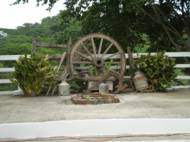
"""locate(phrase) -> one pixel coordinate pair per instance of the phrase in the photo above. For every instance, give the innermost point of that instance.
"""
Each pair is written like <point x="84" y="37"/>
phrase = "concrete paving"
<point x="140" y="138"/>
<point x="113" y="140"/>
<point x="95" y="128"/>
<point x="174" y="104"/>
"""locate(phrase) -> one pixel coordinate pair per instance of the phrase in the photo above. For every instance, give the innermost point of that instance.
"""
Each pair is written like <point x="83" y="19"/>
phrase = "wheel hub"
<point x="99" y="63"/>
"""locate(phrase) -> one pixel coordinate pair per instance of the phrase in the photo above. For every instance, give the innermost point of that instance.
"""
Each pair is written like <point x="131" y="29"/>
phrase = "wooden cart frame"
<point x="94" y="57"/>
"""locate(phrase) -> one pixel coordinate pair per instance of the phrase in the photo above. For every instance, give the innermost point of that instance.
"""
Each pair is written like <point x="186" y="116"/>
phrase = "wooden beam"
<point x="50" y="45"/>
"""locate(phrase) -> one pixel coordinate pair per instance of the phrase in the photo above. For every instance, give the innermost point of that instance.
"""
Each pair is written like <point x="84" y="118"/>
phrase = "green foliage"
<point x="56" y="29"/>
<point x="33" y="74"/>
<point x="143" y="45"/>
<point x="50" y="3"/>
<point x="181" y="72"/>
<point x="159" y="70"/>
<point x="16" y="44"/>
<point x="110" y="17"/>
<point x="8" y="87"/>
<point x="108" y="65"/>
<point x="93" y="70"/>
<point x="69" y="27"/>
<point x="77" y="86"/>
<point x="4" y="75"/>
<point x="166" y="22"/>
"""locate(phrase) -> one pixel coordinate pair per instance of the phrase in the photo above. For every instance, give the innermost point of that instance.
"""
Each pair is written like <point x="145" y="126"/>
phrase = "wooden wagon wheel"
<point x="94" y="55"/>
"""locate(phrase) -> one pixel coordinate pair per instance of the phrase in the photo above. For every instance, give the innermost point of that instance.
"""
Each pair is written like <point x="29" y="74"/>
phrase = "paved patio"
<point x="110" y="128"/>
<point x="161" y="138"/>
<point x="174" y="104"/>
<point x="174" y="138"/>
<point x="115" y="139"/>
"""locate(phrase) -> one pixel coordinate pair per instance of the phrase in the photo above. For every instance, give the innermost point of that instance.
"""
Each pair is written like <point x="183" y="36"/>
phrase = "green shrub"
<point x="8" y="87"/>
<point x="93" y="70"/>
<point x="159" y="70"/>
<point x="33" y="74"/>
<point x="77" y="86"/>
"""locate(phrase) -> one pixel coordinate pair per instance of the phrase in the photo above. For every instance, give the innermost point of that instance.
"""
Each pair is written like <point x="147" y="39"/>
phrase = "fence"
<point x="176" y="55"/>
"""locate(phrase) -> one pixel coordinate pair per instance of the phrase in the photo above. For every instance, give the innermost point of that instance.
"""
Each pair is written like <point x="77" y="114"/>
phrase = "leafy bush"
<point x="77" y="86"/>
<point x="159" y="70"/>
<point x="93" y="70"/>
<point x="33" y="74"/>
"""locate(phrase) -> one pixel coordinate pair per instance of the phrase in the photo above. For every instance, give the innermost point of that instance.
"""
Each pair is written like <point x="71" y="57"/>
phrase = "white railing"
<point x="12" y="58"/>
<point x="170" y="54"/>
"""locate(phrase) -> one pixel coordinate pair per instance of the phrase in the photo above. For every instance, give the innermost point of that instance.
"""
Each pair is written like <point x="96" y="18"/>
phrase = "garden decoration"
<point x="94" y="98"/>
<point x="103" y="88"/>
<point x="140" y="81"/>
<point x="64" y="88"/>
<point x="94" y="58"/>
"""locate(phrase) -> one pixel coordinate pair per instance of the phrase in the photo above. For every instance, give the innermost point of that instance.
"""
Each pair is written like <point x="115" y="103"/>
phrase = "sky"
<point x="16" y="15"/>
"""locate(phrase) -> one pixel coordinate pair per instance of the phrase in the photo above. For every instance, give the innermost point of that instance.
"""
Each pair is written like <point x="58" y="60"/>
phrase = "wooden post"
<point x="131" y="61"/>
<point x="34" y="43"/>
<point x="67" y="72"/>
<point x="132" y="66"/>
<point x="69" y="44"/>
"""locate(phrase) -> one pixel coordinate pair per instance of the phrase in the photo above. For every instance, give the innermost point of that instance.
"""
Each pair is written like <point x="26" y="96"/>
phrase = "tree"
<point x="173" y="18"/>
<point x="114" y="18"/>
<point x="50" y="3"/>
<point x="165" y="22"/>
<point x="68" y="27"/>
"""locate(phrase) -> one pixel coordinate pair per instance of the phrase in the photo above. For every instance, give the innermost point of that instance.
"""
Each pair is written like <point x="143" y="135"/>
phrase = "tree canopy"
<point x="164" y="24"/>
<point x="54" y="29"/>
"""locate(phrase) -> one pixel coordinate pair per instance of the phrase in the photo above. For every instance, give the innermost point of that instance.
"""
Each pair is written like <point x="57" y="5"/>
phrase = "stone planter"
<point x="94" y="98"/>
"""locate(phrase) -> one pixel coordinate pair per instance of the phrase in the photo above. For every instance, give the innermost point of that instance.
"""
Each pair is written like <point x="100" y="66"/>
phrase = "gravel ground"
<point x="173" y="104"/>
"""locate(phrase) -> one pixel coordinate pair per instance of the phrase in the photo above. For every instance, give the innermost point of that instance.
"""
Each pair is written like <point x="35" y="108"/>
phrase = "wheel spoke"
<point x="86" y="49"/>
<point x="102" y="53"/>
<point x="100" y="46"/>
<point x="81" y="62"/>
<point x="83" y="55"/>
<point x="116" y="74"/>
<point x="114" y="66"/>
<point x="111" y="55"/>
<point x="107" y="49"/>
<point x="116" y="63"/>
<point x="93" y="46"/>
